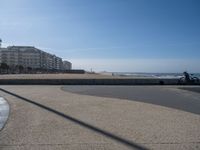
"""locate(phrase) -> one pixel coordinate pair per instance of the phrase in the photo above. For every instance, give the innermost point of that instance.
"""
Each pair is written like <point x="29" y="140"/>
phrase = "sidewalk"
<point x="4" y="112"/>
<point x="90" y="122"/>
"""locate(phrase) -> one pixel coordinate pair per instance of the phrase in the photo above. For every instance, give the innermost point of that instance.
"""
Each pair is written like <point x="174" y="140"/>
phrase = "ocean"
<point x="153" y="75"/>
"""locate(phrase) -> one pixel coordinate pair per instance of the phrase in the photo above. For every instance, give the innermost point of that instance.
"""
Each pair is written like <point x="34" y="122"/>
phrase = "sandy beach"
<point x="82" y="79"/>
<point x="54" y="76"/>
<point x="64" y="76"/>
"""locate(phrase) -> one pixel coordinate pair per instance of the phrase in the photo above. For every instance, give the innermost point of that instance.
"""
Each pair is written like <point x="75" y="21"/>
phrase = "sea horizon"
<point x="154" y="75"/>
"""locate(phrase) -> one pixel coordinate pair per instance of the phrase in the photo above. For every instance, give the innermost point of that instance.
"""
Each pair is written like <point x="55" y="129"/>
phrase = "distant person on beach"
<point x="188" y="79"/>
<point x="187" y="76"/>
<point x="185" y="79"/>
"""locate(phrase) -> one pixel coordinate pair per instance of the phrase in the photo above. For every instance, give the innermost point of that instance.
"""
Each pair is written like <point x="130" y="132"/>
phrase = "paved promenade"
<point x="4" y="112"/>
<point x="171" y="97"/>
<point x="48" y="118"/>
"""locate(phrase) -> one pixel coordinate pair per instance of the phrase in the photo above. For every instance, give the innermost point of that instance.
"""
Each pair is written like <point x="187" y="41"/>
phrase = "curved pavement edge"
<point x="4" y="112"/>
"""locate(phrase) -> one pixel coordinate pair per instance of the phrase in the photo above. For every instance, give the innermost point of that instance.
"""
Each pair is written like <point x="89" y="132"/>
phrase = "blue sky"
<point x="111" y="35"/>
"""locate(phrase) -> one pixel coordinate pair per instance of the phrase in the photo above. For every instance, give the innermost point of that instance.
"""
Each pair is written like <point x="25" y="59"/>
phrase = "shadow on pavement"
<point x="81" y="123"/>
<point x="146" y="94"/>
<point x="192" y="89"/>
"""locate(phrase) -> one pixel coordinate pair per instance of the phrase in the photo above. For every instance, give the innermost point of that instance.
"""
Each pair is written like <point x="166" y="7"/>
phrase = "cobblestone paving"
<point x="152" y="126"/>
<point x="4" y="111"/>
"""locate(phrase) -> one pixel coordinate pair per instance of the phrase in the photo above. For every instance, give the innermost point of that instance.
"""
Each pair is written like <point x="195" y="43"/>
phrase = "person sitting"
<point x="187" y="76"/>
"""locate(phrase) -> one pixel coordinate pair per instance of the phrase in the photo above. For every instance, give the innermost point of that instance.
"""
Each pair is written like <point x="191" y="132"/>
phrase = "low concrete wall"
<point x="89" y="82"/>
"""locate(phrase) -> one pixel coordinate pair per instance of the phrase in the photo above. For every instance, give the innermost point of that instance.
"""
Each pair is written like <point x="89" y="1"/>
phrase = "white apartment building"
<point x="67" y="65"/>
<point x="29" y="56"/>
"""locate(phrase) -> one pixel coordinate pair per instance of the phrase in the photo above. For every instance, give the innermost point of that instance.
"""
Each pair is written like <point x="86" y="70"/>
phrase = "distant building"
<point x="28" y="56"/>
<point x="67" y="65"/>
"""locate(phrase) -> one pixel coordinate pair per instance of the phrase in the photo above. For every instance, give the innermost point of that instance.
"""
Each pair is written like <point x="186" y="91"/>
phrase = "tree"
<point x="21" y="68"/>
<point x="4" y="66"/>
<point x="29" y="69"/>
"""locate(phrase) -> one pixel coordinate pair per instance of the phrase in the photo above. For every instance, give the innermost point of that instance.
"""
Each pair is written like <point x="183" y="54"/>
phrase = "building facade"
<point x="31" y="57"/>
<point x="67" y="65"/>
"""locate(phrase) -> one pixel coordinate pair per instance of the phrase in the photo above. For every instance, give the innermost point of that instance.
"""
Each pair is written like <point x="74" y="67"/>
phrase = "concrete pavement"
<point x="168" y="96"/>
<point x="4" y="112"/>
<point x="45" y="117"/>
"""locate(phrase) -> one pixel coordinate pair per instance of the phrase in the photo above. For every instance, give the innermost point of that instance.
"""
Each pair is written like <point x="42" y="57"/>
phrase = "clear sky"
<point x="110" y="35"/>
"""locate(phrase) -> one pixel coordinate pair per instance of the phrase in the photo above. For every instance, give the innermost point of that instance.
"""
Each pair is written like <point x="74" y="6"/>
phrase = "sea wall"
<point x="120" y="81"/>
